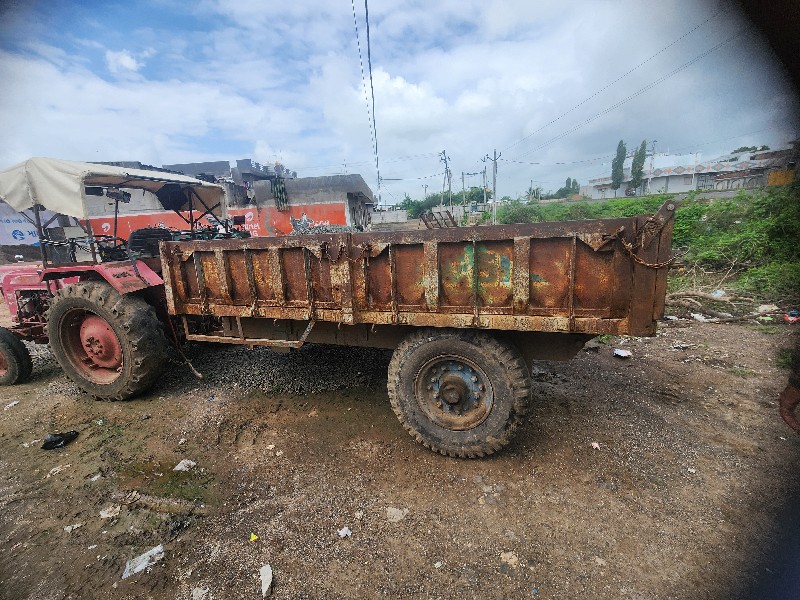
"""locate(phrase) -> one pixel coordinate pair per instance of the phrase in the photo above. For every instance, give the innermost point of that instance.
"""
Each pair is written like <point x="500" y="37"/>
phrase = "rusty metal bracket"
<point x="654" y="224"/>
<point x="254" y="341"/>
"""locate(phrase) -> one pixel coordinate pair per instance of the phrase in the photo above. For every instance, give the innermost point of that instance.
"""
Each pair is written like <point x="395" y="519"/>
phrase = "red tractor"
<point x="98" y="300"/>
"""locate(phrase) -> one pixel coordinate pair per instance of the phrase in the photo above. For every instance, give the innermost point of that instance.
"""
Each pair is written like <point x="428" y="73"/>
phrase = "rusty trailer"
<point x="466" y="309"/>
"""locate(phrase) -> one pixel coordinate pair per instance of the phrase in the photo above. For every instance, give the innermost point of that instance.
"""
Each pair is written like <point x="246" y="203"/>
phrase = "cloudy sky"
<point x="552" y="86"/>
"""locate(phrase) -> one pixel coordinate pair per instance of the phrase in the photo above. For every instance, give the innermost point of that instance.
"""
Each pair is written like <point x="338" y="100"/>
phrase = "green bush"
<point x="753" y="236"/>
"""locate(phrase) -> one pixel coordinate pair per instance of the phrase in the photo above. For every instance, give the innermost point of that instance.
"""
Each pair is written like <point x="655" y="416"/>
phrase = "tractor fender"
<point x="124" y="276"/>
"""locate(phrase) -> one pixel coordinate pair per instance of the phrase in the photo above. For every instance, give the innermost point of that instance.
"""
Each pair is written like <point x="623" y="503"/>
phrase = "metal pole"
<point x="494" y="188"/>
<point x="650" y="175"/>
<point x="484" y="186"/>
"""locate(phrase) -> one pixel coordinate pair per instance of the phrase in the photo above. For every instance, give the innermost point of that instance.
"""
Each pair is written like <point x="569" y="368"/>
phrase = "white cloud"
<point x="467" y="76"/>
<point x="122" y="62"/>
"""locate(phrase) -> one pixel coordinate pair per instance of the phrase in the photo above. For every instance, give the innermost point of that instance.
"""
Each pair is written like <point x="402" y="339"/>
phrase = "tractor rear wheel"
<point x="15" y="360"/>
<point x="112" y="345"/>
<point x="458" y="392"/>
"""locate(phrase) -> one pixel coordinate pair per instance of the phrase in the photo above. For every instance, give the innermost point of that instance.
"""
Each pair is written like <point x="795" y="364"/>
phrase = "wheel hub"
<point x="454" y="393"/>
<point x="100" y="342"/>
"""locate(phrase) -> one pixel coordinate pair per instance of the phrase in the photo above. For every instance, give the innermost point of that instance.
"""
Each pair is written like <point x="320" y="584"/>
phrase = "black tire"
<point x="15" y="360"/>
<point x="458" y="392"/>
<point x="131" y="330"/>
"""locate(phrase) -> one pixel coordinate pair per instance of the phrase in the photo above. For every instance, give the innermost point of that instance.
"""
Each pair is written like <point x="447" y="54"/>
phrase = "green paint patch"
<point x="159" y="479"/>
<point x="537" y="278"/>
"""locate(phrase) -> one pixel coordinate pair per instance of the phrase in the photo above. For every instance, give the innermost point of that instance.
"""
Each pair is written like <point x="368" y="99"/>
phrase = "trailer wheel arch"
<point x="15" y="360"/>
<point x="127" y="339"/>
<point x="461" y="393"/>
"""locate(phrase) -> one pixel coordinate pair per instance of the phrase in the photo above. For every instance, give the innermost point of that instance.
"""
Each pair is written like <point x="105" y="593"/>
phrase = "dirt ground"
<point x="665" y="475"/>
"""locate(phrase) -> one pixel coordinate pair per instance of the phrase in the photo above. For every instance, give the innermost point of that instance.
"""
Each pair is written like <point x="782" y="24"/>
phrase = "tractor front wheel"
<point x="112" y="345"/>
<point x="15" y="360"/>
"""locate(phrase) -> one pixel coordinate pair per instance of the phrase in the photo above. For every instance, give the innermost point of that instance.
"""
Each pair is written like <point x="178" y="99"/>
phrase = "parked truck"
<point x="466" y="310"/>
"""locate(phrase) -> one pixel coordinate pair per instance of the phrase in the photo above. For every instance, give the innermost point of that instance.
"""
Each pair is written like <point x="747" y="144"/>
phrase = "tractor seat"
<point x="144" y="242"/>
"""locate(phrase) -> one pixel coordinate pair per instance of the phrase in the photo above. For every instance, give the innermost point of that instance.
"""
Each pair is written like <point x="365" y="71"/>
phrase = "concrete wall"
<point x="389" y="216"/>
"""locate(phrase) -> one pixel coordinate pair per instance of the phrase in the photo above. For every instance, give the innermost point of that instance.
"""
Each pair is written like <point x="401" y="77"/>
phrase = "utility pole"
<point x="494" y="184"/>
<point x="425" y="188"/>
<point x="694" y="171"/>
<point x="530" y="192"/>
<point x="484" y="186"/>
<point x="447" y="177"/>
<point x="652" y="156"/>
<point x="463" y="190"/>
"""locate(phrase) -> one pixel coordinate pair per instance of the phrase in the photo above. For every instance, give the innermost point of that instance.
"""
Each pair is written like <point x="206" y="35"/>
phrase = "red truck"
<point x="465" y="309"/>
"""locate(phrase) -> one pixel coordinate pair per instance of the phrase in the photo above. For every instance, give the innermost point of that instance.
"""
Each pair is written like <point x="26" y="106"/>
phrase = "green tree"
<point x="637" y="166"/>
<point x="576" y="187"/>
<point x="616" y="167"/>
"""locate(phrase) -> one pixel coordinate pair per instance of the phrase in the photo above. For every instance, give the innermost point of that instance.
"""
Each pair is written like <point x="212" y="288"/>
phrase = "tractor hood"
<point x="60" y="185"/>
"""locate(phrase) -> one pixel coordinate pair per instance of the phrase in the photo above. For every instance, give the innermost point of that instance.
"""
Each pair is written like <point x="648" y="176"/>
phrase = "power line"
<point x="370" y="116"/>
<point x="372" y="91"/>
<point x="367" y="162"/>
<point x="639" y="92"/>
<point x="617" y="80"/>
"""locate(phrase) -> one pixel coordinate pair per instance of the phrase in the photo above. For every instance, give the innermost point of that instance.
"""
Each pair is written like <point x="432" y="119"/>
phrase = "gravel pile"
<point x="306" y="226"/>
<point x="310" y="369"/>
<point x="312" y="229"/>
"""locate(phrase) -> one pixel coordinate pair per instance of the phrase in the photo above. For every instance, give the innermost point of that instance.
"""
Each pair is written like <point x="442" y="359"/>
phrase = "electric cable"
<point x="639" y="92"/>
<point x="617" y="80"/>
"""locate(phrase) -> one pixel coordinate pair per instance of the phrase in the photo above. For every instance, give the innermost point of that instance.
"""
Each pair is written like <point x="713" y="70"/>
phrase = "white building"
<point x="743" y="170"/>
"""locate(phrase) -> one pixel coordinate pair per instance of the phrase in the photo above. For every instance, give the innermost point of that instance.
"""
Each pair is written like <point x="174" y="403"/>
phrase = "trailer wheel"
<point x="15" y="360"/>
<point x="111" y="345"/>
<point x="459" y="393"/>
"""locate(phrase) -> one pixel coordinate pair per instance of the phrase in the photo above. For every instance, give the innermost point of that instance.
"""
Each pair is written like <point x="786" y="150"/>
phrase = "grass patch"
<point x="768" y="329"/>
<point x="784" y="358"/>
<point x="741" y="372"/>
<point x="158" y="479"/>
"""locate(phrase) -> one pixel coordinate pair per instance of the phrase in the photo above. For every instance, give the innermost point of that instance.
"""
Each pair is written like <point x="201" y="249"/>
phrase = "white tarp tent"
<point x="60" y="185"/>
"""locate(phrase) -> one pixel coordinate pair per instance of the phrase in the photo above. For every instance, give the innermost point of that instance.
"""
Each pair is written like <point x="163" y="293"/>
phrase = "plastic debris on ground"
<point x="438" y="564"/>
<point x="718" y="293"/>
<point x="620" y="353"/>
<point x="71" y="528"/>
<point x="184" y="465"/>
<point x="199" y="593"/>
<point x="671" y="318"/>
<point x="395" y="515"/>
<point x="767" y="308"/>
<point x="510" y="558"/>
<point x="141" y="562"/>
<point x="595" y="445"/>
<point x="253" y="537"/>
<point x="792" y="317"/>
<point x="110" y="512"/>
<point x="11" y="404"/>
<point x="266" y="580"/>
<point x="57" y="470"/>
<point x="58" y="440"/>
<point x="344" y="532"/>
<point x="699" y="317"/>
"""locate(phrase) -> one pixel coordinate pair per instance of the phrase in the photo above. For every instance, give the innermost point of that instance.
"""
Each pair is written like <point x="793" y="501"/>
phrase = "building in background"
<point x="747" y="170"/>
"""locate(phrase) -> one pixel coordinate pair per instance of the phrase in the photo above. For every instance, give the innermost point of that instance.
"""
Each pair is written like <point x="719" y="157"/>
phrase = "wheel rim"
<point x="454" y="392"/>
<point x="92" y="346"/>
<point x="3" y="364"/>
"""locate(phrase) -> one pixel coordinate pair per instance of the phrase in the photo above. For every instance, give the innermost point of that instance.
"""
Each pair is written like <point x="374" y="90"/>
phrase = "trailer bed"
<point x="593" y="277"/>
